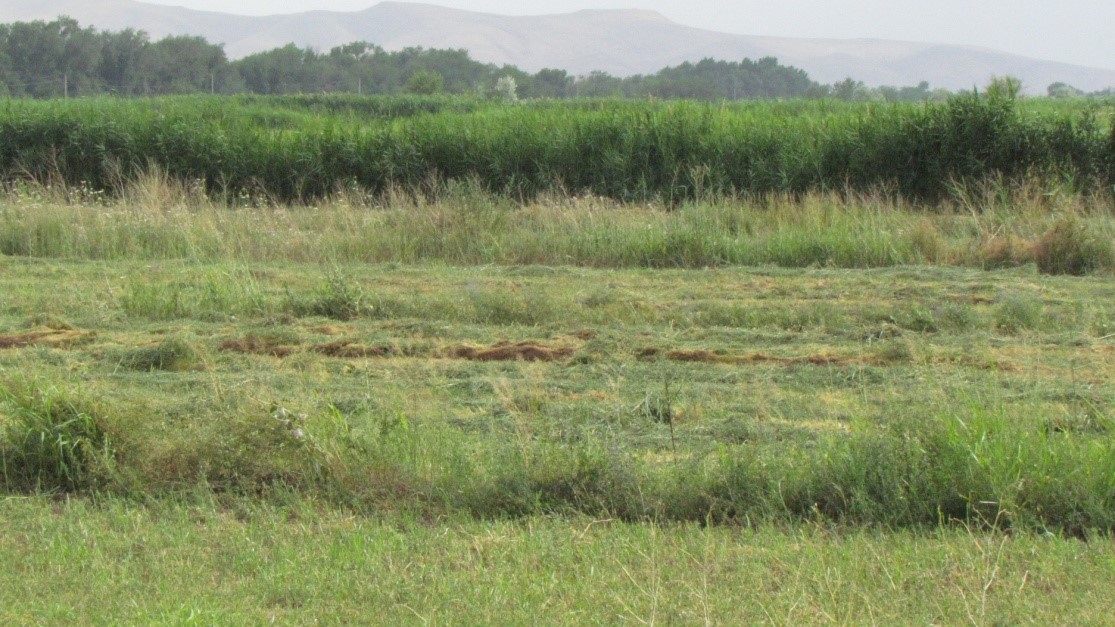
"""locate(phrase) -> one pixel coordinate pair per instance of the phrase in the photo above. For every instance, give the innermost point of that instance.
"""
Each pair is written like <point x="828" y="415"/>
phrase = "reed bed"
<point x="305" y="149"/>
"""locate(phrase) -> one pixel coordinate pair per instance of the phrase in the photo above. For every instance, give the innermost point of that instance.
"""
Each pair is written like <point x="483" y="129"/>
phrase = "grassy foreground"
<point x="118" y="563"/>
<point x="255" y="413"/>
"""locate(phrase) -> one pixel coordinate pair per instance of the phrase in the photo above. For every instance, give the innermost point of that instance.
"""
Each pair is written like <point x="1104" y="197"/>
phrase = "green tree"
<point x="183" y="64"/>
<point x="551" y="83"/>
<point x="286" y="70"/>
<point x="123" y="62"/>
<point x="1062" y="90"/>
<point x="425" y="82"/>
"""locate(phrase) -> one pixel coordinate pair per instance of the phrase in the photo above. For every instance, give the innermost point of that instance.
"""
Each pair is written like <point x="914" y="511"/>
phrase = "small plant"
<point x="1004" y="252"/>
<point x="928" y="243"/>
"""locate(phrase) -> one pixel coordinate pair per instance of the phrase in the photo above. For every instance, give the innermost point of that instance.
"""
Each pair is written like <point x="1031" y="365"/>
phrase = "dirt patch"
<point x="346" y="349"/>
<point x="253" y="345"/>
<point x="46" y="337"/>
<point x="506" y="351"/>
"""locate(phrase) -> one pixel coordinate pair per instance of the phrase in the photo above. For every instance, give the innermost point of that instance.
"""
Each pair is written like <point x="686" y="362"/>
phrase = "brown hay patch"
<point x="252" y="345"/>
<point x="57" y="338"/>
<point x="814" y="360"/>
<point x="346" y="349"/>
<point x="505" y="351"/>
<point x="701" y="356"/>
<point x="709" y="357"/>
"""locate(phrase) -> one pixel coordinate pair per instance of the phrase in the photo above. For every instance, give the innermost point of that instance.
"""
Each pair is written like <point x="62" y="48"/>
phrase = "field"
<point x="447" y="402"/>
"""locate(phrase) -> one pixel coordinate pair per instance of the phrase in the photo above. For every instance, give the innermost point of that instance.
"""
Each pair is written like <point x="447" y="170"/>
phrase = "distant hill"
<point x="621" y="43"/>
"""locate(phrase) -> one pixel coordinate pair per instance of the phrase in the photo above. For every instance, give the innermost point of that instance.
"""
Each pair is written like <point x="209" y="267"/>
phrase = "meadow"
<point x="838" y="403"/>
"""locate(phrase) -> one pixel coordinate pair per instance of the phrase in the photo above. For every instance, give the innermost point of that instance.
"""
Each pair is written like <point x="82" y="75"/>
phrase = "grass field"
<point x="447" y="405"/>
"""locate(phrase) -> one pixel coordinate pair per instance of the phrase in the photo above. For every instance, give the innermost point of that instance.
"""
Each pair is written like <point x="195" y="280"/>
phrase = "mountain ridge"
<point x="620" y="42"/>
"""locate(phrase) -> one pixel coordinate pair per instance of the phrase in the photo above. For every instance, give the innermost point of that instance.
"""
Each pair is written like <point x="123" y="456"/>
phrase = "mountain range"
<point x="619" y="42"/>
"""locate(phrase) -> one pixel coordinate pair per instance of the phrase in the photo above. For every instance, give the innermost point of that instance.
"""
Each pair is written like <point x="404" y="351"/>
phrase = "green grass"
<point x="172" y="563"/>
<point x="304" y="149"/>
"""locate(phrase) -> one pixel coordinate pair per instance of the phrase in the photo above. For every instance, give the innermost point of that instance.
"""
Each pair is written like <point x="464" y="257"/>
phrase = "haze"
<point x="1072" y="31"/>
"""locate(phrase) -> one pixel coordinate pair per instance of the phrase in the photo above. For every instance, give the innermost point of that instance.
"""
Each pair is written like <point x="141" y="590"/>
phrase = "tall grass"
<point x="305" y="149"/>
<point x="156" y="217"/>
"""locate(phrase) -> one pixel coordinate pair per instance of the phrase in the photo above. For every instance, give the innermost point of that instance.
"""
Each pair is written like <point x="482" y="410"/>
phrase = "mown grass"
<point x="899" y="397"/>
<point x="837" y="408"/>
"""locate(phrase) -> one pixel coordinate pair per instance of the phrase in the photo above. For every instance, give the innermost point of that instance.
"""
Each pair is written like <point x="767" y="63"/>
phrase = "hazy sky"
<point x="1074" y="31"/>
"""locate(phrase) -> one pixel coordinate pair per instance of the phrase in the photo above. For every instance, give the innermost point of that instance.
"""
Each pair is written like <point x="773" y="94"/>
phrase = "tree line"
<point x="61" y="58"/>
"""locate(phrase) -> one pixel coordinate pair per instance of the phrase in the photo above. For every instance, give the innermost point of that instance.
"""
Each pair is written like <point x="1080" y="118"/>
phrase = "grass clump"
<point x="52" y="442"/>
<point x="174" y="354"/>
<point x="338" y="297"/>
<point x="1017" y="312"/>
<point x="1070" y="247"/>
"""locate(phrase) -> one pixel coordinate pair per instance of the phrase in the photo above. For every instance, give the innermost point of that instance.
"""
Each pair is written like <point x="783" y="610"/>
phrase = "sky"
<point x="1072" y="31"/>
